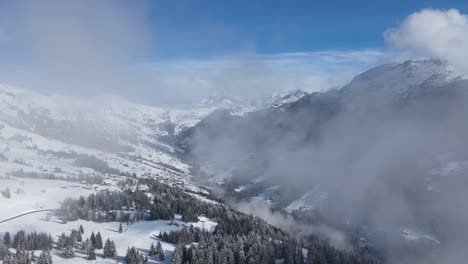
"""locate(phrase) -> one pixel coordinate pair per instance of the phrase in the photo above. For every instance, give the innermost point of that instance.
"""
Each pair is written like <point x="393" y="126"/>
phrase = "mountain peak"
<point x="398" y="80"/>
<point x="285" y="97"/>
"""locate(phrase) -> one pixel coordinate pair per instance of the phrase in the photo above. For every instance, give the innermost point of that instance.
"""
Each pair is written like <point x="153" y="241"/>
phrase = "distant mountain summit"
<point x="394" y="82"/>
<point x="285" y="97"/>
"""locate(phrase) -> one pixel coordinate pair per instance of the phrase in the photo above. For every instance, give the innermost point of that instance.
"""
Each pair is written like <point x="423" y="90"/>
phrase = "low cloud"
<point x="89" y="48"/>
<point x="253" y="76"/>
<point x="442" y="34"/>
<point x="258" y="207"/>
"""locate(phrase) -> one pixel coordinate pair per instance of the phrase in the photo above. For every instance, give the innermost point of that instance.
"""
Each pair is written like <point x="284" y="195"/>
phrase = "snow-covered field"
<point x="31" y="195"/>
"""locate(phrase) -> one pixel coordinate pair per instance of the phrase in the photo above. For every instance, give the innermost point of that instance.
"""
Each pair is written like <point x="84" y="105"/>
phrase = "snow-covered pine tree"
<point x="152" y="250"/>
<point x="109" y="249"/>
<point x="160" y="251"/>
<point x="68" y="252"/>
<point x="44" y="258"/>
<point x="98" y="244"/>
<point x="134" y="257"/>
<point x="3" y="251"/>
<point x="90" y="251"/>
<point x="178" y="255"/>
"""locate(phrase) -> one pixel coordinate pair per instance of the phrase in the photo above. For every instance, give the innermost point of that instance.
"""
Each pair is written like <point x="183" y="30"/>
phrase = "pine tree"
<point x="90" y="251"/>
<point x="178" y="254"/>
<point x="3" y="251"/>
<point x="134" y="257"/>
<point x="78" y="236"/>
<point x="85" y="244"/>
<point x="160" y="251"/>
<point x="61" y="242"/>
<point x="7" y="240"/>
<point x="93" y="239"/>
<point x="152" y="250"/>
<point x="98" y="244"/>
<point x="242" y="258"/>
<point x="109" y="249"/>
<point x="68" y="252"/>
<point x="44" y="258"/>
<point x="120" y="228"/>
<point x="81" y="229"/>
<point x="209" y="256"/>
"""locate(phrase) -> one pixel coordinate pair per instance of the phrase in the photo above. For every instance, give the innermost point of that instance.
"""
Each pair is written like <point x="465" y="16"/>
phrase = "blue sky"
<point x="211" y="28"/>
<point x="181" y="51"/>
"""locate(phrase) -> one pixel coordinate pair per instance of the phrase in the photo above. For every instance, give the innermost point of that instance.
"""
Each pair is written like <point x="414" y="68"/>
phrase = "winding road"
<point x="27" y="213"/>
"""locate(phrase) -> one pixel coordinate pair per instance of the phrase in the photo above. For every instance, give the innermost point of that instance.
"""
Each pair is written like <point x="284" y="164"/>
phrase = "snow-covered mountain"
<point x="46" y="134"/>
<point x="130" y="137"/>
<point x="337" y="157"/>
<point x="294" y="154"/>
<point x="56" y="151"/>
<point x="394" y="82"/>
<point x="286" y="97"/>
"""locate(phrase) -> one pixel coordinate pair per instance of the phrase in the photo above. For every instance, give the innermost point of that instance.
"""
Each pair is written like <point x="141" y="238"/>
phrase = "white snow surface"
<point x="29" y="195"/>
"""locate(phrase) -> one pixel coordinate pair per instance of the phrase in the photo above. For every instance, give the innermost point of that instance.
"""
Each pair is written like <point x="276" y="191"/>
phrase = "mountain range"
<point x="380" y="160"/>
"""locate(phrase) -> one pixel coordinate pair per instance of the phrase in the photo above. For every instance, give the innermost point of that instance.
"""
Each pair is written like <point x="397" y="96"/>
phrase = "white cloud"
<point x="258" y="75"/>
<point x="92" y="47"/>
<point x="441" y="34"/>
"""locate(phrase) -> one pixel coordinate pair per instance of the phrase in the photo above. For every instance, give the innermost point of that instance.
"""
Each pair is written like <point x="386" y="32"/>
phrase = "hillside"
<point x="371" y="157"/>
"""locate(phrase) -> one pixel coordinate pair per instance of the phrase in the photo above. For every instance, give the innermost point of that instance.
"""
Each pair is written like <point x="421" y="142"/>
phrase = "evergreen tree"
<point x="44" y="258"/>
<point x="85" y="244"/>
<point x="21" y="257"/>
<point x="98" y="244"/>
<point x="78" y="236"/>
<point x="120" y="228"/>
<point x="90" y="251"/>
<point x="3" y="251"/>
<point x="7" y="239"/>
<point x="159" y="251"/>
<point x="81" y="229"/>
<point x="178" y="255"/>
<point x="68" y="252"/>
<point x="109" y="249"/>
<point x="134" y="257"/>
<point x="152" y="250"/>
<point x="242" y="258"/>
<point x="93" y="239"/>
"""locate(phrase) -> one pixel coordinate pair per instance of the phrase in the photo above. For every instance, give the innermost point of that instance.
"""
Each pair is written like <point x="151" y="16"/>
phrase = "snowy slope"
<point x="39" y="128"/>
<point x="393" y="82"/>
<point x="29" y="195"/>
